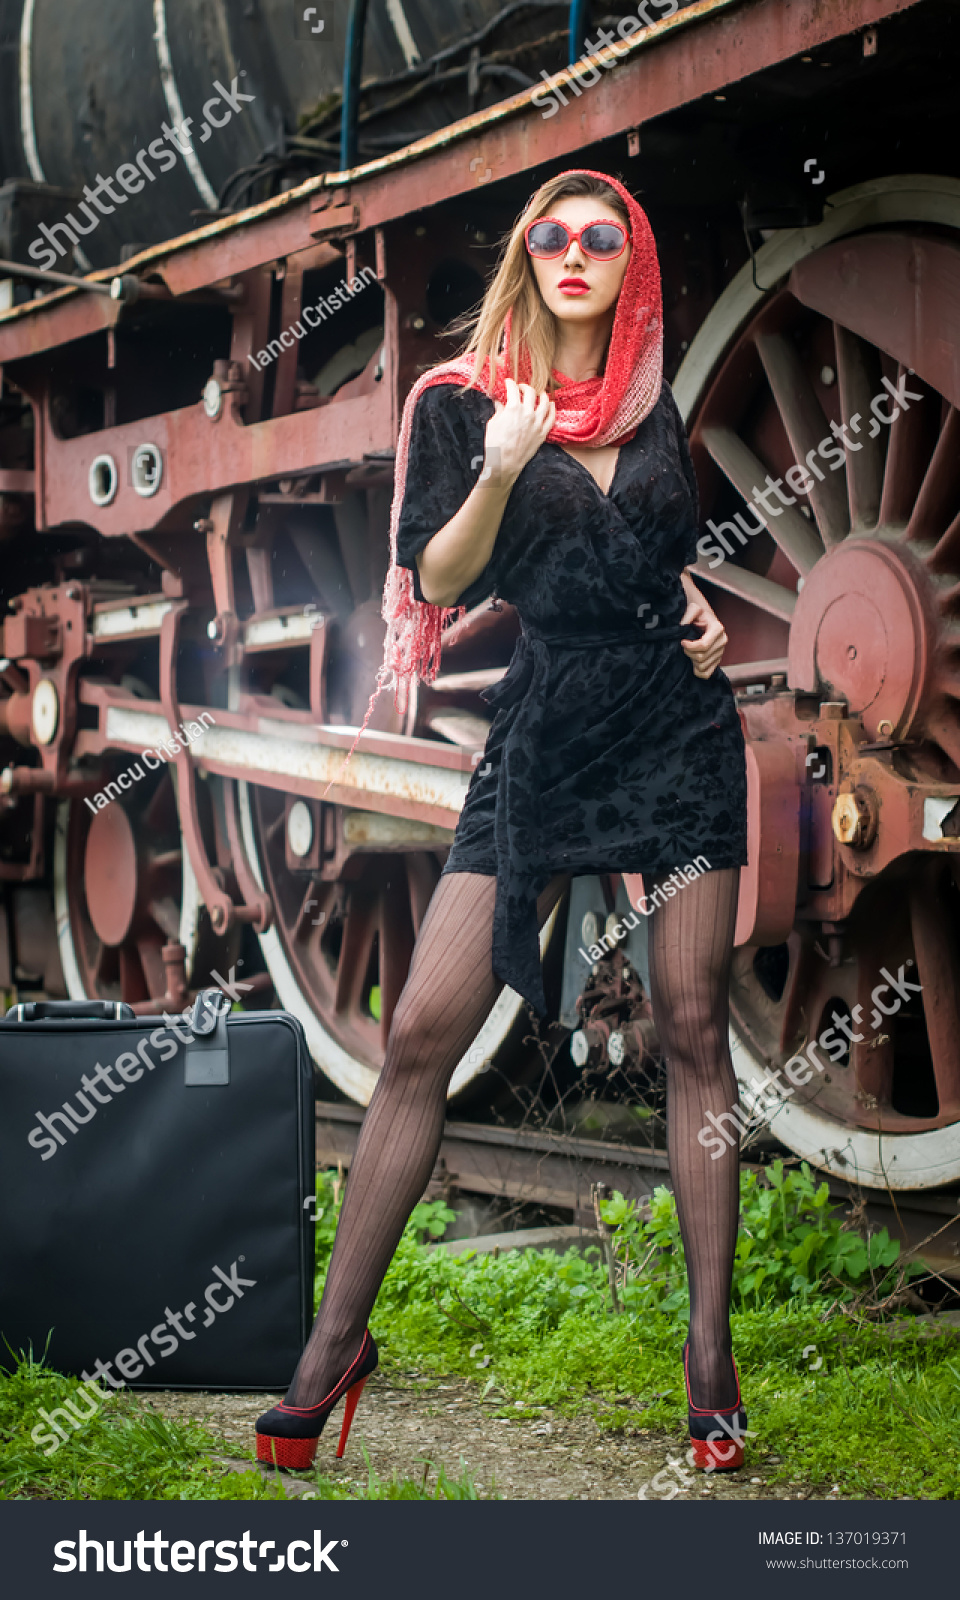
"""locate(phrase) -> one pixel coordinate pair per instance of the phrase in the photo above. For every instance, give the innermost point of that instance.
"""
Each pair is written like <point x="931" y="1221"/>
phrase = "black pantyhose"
<point x="691" y="949"/>
<point x="448" y="995"/>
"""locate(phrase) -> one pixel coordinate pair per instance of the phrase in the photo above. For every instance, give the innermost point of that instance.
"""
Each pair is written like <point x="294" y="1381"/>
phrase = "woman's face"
<point x="574" y="286"/>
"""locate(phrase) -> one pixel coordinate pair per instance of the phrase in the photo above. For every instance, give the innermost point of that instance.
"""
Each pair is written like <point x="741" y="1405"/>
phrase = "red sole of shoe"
<point x="297" y="1454"/>
<point x="721" y="1455"/>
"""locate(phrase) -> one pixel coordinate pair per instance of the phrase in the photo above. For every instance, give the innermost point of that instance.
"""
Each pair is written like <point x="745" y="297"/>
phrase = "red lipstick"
<point x="573" y="286"/>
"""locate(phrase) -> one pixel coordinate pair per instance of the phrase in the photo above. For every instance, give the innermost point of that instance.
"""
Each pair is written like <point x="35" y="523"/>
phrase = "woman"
<point x="615" y="747"/>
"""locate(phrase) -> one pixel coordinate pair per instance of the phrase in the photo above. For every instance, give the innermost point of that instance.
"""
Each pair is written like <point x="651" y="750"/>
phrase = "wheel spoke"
<point x="151" y="962"/>
<point x="802" y="976"/>
<point x="872" y="1057"/>
<point x="806" y="426"/>
<point x="423" y="875"/>
<point x="858" y="376"/>
<point x="946" y="552"/>
<point x="359" y="931"/>
<point x="796" y="537"/>
<point x="908" y="456"/>
<point x="312" y="908"/>
<point x="945" y="732"/>
<point x="396" y="942"/>
<point x="769" y="596"/>
<point x="159" y="815"/>
<point x="939" y="494"/>
<point x="938" y="962"/>
<point x="166" y="914"/>
<point x="107" y="968"/>
<point x="165" y="859"/>
<point x="133" y="986"/>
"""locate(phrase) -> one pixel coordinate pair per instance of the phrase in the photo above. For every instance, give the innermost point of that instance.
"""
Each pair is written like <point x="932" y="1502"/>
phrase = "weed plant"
<point x="845" y="1394"/>
<point x="851" y="1402"/>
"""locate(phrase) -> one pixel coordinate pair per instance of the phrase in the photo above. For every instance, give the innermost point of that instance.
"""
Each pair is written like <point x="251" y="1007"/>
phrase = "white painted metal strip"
<point x="130" y="619"/>
<point x="282" y="754"/>
<point x="401" y="28"/>
<point x="172" y="96"/>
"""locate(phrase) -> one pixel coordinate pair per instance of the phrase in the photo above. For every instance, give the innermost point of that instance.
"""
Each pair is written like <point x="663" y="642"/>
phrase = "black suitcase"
<point x="155" y="1184"/>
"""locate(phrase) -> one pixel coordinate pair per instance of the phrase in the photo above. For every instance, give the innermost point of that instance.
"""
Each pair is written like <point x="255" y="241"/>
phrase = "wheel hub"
<point x="861" y="634"/>
<point x="110" y="874"/>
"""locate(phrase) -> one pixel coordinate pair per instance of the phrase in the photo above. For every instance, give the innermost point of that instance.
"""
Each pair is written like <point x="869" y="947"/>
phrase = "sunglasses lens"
<point x="547" y="239"/>
<point x="603" y="239"/>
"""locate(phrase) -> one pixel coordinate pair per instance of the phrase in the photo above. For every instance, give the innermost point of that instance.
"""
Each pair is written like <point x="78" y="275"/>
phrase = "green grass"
<point x="869" y="1405"/>
<point x="128" y="1452"/>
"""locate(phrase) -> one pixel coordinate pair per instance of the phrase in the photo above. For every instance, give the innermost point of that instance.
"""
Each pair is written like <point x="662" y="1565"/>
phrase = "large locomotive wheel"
<point x="340" y="947"/>
<point x="852" y="595"/>
<point x="123" y="888"/>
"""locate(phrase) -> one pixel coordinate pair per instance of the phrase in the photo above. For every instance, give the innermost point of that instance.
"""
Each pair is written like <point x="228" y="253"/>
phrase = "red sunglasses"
<point x="546" y="238"/>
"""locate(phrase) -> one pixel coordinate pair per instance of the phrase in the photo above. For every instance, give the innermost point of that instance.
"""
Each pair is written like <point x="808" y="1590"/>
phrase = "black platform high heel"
<point x="716" y="1436"/>
<point x="287" y="1435"/>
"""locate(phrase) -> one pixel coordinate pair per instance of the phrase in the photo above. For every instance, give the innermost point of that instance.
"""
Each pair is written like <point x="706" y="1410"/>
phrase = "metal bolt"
<point x="212" y="399"/>
<point x="885" y="728"/>
<point x="855" y="817"/>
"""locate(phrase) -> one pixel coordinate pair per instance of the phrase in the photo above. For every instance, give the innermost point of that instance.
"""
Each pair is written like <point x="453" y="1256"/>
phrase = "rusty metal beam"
<point x="697" y="52"/>
<point x="694" y="53"/>
<point x="262" y="743"/>
<point x="203" y="458"/>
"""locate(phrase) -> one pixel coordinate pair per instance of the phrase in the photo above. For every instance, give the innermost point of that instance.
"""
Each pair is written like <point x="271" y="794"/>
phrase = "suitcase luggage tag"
<point x="207" y="1062"/>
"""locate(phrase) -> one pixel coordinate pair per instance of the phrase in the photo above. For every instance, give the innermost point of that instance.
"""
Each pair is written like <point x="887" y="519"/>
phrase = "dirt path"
<point x="405" y="1421"/>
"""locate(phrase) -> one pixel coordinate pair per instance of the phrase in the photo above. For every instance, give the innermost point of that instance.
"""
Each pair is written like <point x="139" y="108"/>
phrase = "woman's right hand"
<point x="516" y="431"/>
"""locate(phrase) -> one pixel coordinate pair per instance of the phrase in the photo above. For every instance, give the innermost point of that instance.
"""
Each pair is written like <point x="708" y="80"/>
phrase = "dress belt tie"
<point x="517" y="832"/>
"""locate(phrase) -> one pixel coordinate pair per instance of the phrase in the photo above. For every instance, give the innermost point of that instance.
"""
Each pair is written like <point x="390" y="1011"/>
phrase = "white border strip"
<point x="175" y="107"/>
<point x="401" y="28"/>
<point x="28" y="133"/>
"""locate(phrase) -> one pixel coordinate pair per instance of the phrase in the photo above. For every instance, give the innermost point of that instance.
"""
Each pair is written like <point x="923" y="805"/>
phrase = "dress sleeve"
<point x="692" y="517"/>
<point x="445" y="460"/>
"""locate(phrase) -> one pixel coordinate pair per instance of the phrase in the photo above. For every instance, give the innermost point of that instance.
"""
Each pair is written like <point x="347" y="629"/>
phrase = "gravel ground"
<point x="518" y="1452"/>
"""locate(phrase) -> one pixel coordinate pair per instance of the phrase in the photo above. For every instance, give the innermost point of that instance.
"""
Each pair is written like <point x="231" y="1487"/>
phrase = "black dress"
<point x="607" y="753"/>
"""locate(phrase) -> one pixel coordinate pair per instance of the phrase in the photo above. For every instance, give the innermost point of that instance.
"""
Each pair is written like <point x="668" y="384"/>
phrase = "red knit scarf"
<point x="595" y="412"/>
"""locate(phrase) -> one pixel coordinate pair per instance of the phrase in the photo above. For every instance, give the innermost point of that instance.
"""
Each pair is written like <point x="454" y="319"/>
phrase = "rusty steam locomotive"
<point x="193" y="506"/>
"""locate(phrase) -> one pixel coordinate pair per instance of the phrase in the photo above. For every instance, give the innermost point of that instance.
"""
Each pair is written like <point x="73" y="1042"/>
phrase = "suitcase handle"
<point x="70" y="1010"/>
<point x="207" y="1060"/>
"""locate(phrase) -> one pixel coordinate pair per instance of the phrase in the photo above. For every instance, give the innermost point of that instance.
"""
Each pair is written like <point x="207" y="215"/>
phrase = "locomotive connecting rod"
<point x="16" y="269"/>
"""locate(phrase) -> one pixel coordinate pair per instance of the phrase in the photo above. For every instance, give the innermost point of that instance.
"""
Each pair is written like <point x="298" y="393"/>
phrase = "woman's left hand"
<point x="706" y="653"/>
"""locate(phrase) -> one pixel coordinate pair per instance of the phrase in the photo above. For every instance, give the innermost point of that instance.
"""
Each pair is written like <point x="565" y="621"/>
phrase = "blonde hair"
<point x="533" y="336"/>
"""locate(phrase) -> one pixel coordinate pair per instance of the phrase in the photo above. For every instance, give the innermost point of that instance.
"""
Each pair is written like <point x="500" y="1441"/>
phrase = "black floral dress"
<point x="607" y="753"/>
